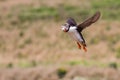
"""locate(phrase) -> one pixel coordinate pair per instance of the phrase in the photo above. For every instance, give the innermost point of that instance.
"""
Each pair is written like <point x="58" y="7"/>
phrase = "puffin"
<point x="75" y="30"/>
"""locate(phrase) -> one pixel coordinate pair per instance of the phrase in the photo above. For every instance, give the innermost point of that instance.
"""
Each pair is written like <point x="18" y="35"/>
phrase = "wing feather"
<point x="89" y="21"/>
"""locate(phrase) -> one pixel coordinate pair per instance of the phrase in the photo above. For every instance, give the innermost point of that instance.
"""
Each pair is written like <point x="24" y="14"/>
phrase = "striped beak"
<point x="65" y="27"/>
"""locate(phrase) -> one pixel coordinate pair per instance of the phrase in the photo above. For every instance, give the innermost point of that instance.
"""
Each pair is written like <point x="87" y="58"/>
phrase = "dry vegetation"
<point x="30" y="36"/>
<point x="60" y="73"/>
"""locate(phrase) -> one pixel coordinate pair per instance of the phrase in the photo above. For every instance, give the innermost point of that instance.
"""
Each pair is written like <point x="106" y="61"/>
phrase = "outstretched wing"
<point x="71" y="22"/>
<point x="89" y="21"/>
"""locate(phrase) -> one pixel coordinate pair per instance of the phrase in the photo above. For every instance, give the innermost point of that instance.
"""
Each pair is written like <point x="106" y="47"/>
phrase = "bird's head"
<point x="70" y="22"/>
<point x="65" y="27"/>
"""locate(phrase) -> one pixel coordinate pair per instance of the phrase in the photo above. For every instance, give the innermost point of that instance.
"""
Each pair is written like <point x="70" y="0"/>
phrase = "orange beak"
<point x="65" y="30"/>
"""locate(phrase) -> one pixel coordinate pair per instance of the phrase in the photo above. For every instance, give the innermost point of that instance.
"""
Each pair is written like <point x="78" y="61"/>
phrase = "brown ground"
<point x="50" y="73"/>
<point x="55" y="47"/>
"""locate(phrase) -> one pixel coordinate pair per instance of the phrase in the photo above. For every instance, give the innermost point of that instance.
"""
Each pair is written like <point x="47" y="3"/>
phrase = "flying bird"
<point x="75" y="30"/>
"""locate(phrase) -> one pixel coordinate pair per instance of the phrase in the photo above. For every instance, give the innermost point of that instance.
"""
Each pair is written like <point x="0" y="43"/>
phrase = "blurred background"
<point x="33" y="47"/>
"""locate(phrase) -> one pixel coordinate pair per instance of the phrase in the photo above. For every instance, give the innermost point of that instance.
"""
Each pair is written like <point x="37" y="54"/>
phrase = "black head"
<point x="70" y="22"/>
<point x="65" y="27"/>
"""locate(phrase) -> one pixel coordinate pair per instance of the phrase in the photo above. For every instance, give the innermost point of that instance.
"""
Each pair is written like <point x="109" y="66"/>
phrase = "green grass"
<point x="109" y="11"/>
<point x="93" y="63"/>
<point x="52" y="13"/>
<point x="86" y="63"/>
<point x="80" y="12"/>
<point x="61" y="71"/>
<point x="24" y="64"/>
<point x="106" y="4"/>
<point x="43" y="12"/>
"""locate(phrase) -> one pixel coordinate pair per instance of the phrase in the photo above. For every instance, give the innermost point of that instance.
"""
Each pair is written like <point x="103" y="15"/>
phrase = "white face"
<point x="65" y="27"/>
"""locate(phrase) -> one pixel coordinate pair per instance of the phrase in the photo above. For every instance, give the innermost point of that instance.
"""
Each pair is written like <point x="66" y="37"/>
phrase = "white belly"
<point x="74" y="34"/>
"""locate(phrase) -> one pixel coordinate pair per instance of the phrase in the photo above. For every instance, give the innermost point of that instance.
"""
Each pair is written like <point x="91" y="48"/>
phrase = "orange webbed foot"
<point x="79" y="46"/>
<point x="84" y="48"/>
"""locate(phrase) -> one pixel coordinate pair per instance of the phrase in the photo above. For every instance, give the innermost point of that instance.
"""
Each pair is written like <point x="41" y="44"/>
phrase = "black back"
<point x="71" y="22"/>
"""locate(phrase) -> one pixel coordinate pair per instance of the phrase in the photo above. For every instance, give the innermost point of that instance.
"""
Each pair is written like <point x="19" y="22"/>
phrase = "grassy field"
<point x="31" y="39"/>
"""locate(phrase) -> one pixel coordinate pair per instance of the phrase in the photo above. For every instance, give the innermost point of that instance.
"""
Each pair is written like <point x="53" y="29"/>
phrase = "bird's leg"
<point x="79" y="46"/>
<point x="84" y="48"/>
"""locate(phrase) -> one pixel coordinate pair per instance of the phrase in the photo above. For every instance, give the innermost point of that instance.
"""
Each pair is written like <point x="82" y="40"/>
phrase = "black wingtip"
<point x="96" y="16"/>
